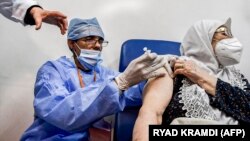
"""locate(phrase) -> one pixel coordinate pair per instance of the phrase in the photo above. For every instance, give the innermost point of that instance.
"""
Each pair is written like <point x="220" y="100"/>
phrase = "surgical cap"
<point x="79" y="28"/>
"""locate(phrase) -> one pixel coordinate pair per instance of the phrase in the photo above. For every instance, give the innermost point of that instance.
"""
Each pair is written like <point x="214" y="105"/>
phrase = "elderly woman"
<point x="207" y="87"/>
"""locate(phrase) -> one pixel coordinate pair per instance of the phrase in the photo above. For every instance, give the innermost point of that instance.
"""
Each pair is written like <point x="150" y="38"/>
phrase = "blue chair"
<point x="131" y="49"/>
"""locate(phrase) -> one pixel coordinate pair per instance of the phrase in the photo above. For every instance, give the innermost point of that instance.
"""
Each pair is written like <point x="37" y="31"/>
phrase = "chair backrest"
<point x="131" y="49"/>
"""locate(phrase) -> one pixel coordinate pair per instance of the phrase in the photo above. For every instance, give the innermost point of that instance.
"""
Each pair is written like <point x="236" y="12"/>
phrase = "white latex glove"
<point x="142" y="68"/>
<point x="169" y="60"/>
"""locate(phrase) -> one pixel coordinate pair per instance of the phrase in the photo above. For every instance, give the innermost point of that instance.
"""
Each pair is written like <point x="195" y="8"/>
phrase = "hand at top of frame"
<point x="51" y="17"/>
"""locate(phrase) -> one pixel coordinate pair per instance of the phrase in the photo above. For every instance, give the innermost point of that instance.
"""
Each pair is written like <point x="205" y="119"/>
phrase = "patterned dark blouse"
<point x="234" y="101"/>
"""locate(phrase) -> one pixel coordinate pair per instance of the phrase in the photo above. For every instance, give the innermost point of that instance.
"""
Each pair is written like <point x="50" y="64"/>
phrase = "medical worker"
<point x="74" y="94"/>
<point x="28" y="12"/>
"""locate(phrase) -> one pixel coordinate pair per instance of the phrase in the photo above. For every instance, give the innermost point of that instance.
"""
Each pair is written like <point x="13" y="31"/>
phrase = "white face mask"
<point x="89" y="58"/>
<point x="228" y="51"/>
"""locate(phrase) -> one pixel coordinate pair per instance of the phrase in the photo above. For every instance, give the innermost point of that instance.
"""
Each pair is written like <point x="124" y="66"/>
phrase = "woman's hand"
<point x="188" y="68"/>
<point x="196" y="74"/>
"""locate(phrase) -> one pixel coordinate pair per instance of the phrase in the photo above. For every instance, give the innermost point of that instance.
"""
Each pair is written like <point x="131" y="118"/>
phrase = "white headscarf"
<point x="197" y="43"/>
<point x="197" y="46"/>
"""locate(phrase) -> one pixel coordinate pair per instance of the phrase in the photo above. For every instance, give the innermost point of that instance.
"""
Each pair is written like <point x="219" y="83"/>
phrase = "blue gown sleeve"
<point x="233" y="100"/>
<point x="15" y="10"/>
<point x="77" y="110"/>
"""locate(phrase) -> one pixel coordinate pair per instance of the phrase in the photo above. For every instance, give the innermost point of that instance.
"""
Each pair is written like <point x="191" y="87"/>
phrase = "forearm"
<point x="208" y="83"/>
<point x="141" y="127"/>
<point x="157" y="95"/>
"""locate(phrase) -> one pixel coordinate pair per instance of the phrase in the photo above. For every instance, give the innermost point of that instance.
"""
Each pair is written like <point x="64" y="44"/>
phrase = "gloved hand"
<point x="169" y="60"/>
<point x="142" y="68"/>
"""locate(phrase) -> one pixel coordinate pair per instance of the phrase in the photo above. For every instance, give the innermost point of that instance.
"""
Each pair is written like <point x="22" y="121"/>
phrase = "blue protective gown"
<point x="65" y="111"/>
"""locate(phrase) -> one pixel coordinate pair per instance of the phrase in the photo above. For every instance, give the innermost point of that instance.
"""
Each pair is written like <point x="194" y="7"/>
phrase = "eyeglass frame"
<point x="223" y="29"/>
<point x="93" y="41"/>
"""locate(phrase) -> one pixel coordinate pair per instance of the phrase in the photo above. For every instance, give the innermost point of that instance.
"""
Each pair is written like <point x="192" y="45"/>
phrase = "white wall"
<point x="23" y="50"/>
